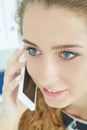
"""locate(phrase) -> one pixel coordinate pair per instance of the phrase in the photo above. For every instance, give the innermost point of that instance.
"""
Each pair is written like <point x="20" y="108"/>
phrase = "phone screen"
<point x="29" y="87"/>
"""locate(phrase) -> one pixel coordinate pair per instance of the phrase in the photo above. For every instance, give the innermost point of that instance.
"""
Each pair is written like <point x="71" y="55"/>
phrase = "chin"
<point x="56" y="105"/>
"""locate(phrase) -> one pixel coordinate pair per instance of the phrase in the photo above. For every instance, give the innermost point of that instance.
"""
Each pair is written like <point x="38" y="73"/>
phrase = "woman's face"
<point x="56" y="53"/>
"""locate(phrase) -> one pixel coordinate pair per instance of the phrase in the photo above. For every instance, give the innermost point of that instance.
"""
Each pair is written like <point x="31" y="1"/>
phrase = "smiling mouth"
<point x="54" y="93"/>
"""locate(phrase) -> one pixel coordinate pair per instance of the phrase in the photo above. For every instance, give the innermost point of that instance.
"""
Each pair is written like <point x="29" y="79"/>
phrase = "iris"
<point x="68" y="55"/>
<point x="34" y="51"/>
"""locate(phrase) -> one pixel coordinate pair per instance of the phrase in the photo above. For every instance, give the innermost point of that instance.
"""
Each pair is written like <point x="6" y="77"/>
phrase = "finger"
<point x="15" y="68"/>
<point x="17" y="73"/>
<point x="12" y="72"/>
<point x="15" y="56"/>
<point x="18" y="54"/>
<point x="7" y="90"/>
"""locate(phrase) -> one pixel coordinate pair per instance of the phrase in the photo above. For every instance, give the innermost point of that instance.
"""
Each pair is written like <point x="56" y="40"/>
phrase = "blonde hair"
<point x="45" y="117"/>
<point x="77" y="6"/>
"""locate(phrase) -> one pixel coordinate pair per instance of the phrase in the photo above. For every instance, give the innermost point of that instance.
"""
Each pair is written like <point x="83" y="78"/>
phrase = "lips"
<point x="54" y="93"/>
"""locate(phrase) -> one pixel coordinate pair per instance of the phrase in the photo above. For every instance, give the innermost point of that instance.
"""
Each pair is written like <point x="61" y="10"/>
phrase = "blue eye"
<point x="68" y="55"/>
<point x="33" y="51"/>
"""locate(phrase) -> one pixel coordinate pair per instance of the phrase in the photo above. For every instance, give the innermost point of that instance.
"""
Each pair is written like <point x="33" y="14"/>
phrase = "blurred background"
<point x="8" y="35"/>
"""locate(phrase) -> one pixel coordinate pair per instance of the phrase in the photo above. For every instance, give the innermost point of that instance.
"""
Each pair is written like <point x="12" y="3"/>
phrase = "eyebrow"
<point x="56" y="46"/>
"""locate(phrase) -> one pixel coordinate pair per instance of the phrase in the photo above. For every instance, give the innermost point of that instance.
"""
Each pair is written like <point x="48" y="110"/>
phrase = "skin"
<point x="49" y="68"/>
<point x="12" y="108"/>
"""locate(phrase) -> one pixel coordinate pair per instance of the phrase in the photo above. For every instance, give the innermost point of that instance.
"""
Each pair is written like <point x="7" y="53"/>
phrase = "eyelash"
<point x="29" y="48"/>
<point x="74" y="54"/>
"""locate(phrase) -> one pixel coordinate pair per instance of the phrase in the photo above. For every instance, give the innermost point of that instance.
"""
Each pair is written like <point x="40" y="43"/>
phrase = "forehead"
<point x="39" y="12"/>
<point x="51" y="24"/>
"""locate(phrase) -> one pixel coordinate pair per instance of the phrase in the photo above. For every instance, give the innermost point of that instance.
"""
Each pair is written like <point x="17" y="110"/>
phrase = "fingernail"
<point x="18" y="77"/>
<point x="21" y="46"/>
<point x="22" y="58"/>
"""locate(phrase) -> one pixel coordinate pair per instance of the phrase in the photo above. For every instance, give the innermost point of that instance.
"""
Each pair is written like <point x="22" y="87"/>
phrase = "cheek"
<point x="33" y="68"/>
<point x="79" y="74"/>
<point x="76" y="77"/>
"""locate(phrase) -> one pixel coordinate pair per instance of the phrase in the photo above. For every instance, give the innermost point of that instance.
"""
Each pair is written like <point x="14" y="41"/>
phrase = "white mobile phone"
<point x="27" y="90"/>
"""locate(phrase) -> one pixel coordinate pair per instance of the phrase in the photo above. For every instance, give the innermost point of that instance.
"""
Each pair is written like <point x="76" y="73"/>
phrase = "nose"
<point x="50" y="73"/>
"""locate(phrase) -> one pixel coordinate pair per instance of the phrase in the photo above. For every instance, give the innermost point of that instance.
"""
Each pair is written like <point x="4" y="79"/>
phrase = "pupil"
<point x="66" y="54"/>
<point x="33" y="51"/>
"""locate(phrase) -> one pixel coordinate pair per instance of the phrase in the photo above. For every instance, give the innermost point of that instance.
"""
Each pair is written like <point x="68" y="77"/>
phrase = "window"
<point x="8" y="26"/>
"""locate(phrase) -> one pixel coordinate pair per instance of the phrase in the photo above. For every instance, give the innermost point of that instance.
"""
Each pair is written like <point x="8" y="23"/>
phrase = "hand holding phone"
<point x="27" y="90"/>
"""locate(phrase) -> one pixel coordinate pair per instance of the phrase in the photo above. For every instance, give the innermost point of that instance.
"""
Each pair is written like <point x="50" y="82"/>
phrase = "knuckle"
<point x="6" y="90"/>
<point x="19" y="66"/>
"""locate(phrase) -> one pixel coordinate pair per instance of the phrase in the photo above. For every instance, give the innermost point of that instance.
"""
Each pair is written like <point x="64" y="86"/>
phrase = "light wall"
<point x="8" y="26"/>
<point x="8" y="32"/>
